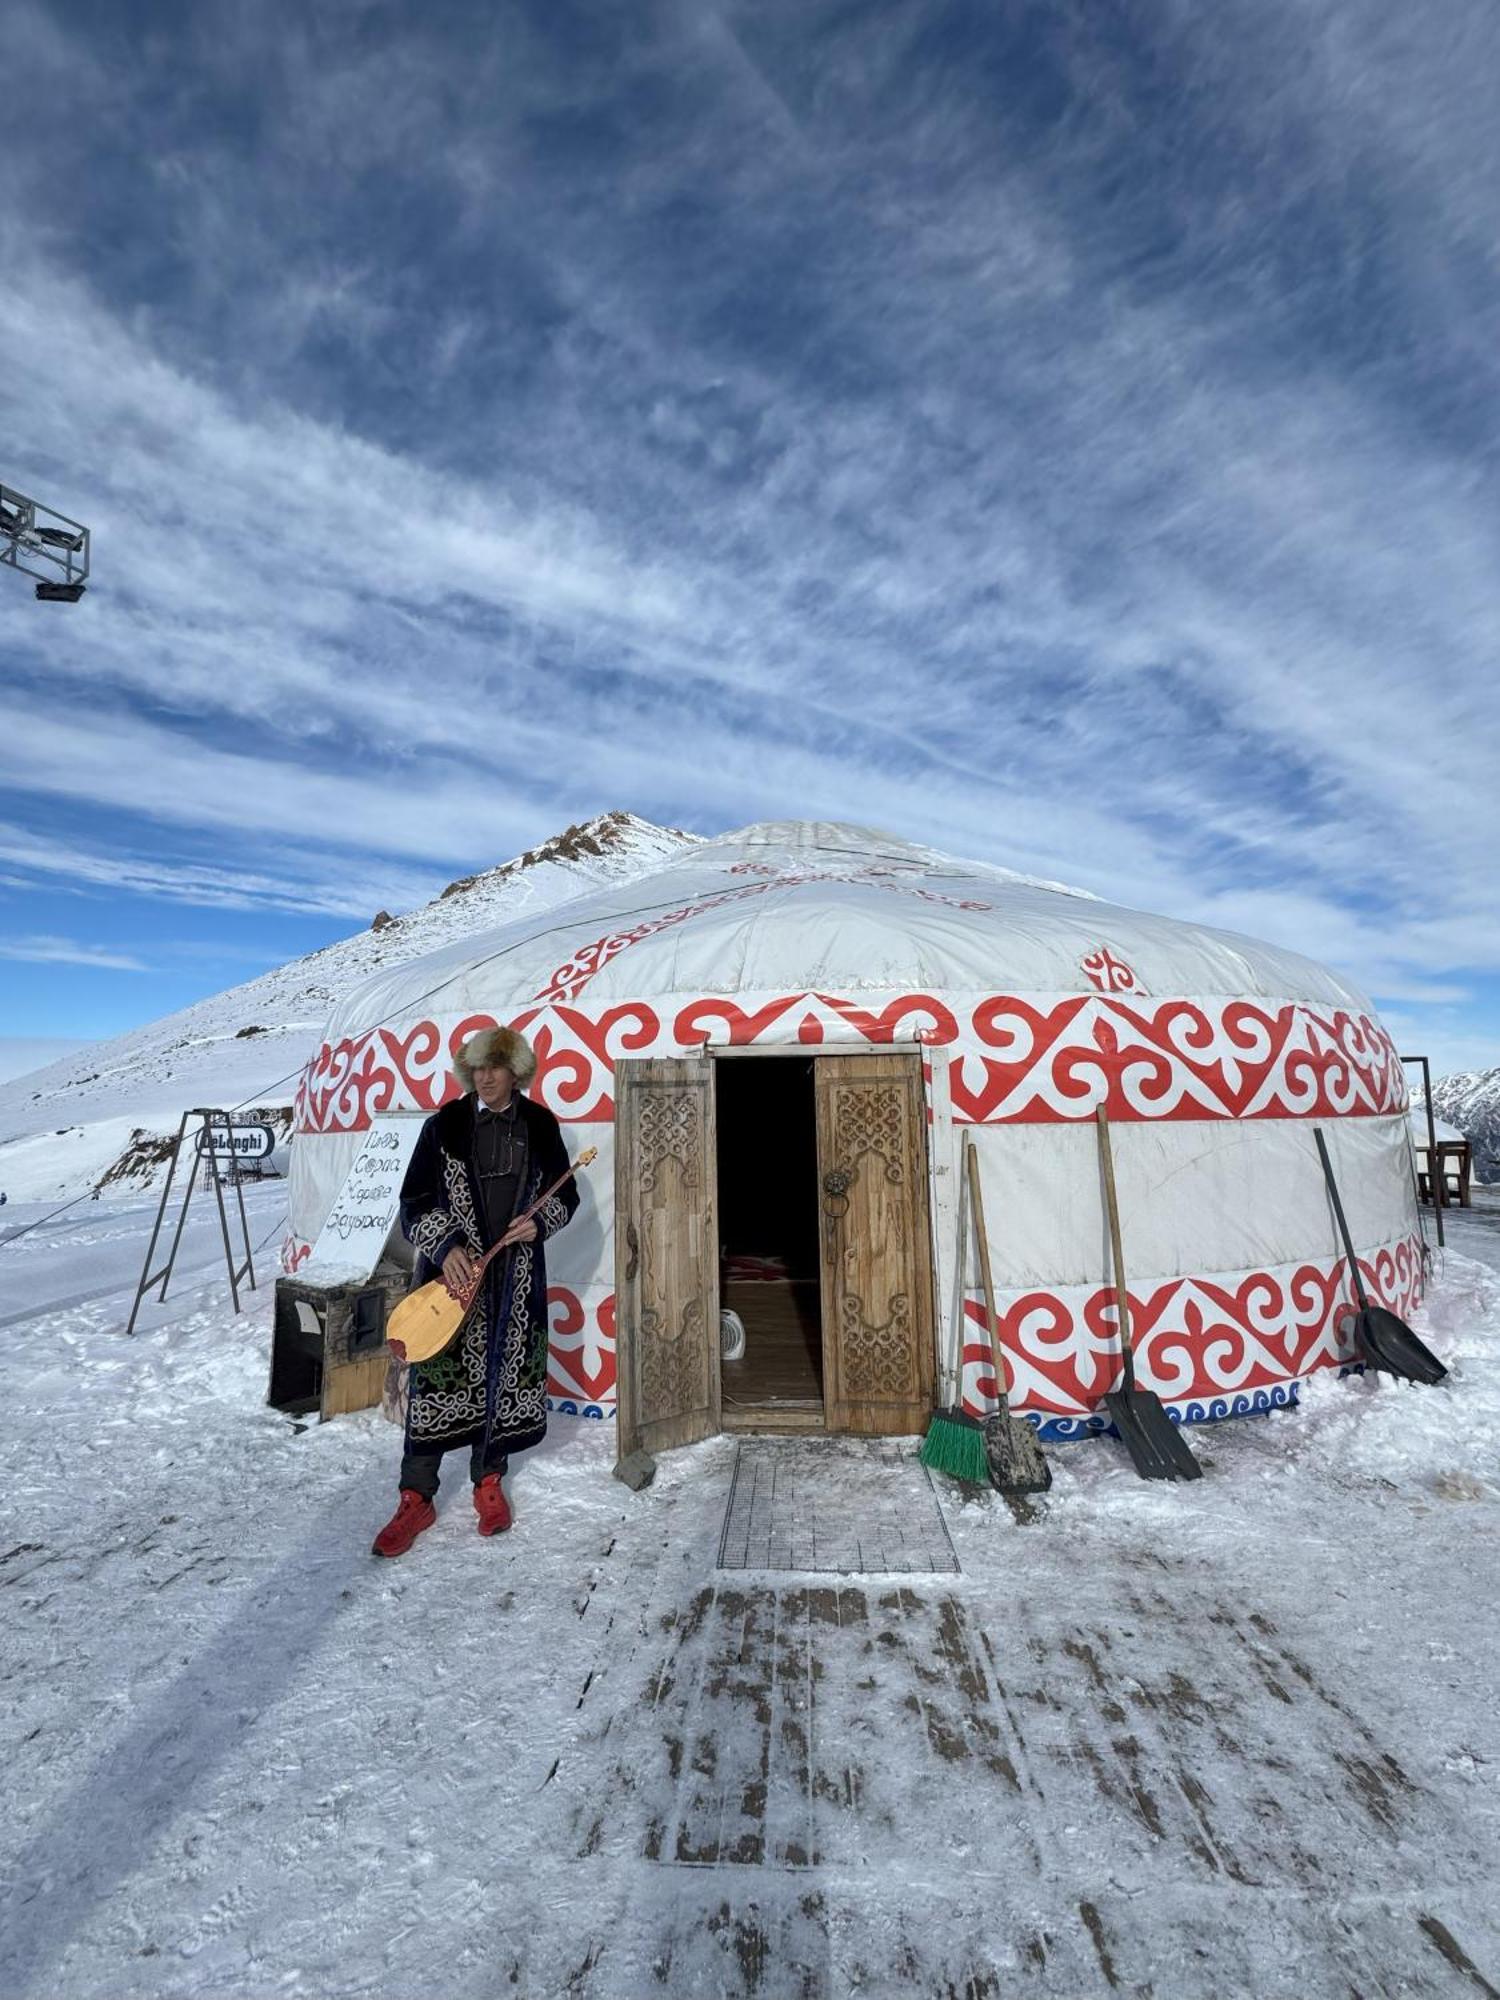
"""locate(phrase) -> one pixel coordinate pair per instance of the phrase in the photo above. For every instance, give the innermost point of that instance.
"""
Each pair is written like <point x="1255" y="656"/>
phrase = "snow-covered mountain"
<point x="1471" y="1101"/>
<point x="65" y="1127"/>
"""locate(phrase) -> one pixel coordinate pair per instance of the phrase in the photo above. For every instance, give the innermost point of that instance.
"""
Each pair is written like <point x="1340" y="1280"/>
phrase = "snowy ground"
<point x="1237" y="1738"/>
<point x="1474" y="1231"/>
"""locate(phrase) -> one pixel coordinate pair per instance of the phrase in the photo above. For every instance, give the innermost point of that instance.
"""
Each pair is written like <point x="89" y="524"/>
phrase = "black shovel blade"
<point x="1155" y="1443"/>
<point x="1389" y="1343"/>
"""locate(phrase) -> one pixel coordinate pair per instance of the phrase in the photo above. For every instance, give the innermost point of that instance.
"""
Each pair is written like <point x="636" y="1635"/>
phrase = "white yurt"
<point x="780" y="1042"/>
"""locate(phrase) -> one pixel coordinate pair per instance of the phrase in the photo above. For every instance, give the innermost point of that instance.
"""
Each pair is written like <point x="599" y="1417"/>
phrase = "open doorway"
<point x="767" y="1148"/>
<point x="798" y="1184"/>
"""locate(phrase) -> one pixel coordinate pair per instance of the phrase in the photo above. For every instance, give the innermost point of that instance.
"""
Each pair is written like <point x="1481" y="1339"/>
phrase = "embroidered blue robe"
<point x="492" y="1383"/>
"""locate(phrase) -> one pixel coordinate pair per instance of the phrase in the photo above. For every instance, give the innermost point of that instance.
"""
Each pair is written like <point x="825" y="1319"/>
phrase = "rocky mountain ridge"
<point x="1470" y="1099"/>
<point x="66" y="1127"/>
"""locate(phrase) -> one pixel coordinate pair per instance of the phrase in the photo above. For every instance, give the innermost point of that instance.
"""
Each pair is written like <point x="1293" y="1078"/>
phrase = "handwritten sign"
<point x="351" y="1240"/>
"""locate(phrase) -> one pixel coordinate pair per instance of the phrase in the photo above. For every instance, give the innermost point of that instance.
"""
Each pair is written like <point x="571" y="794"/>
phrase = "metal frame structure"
<point x="213" y="1121"/>
<point x="1435" y="1178"/>
<point x="45" y="545"/>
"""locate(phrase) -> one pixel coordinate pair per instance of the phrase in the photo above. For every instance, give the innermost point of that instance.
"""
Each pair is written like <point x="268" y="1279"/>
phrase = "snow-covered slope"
<point x="1233" y="1739"/>
<point x="1471" y="1101"/>
<point x="62" y="1128"/>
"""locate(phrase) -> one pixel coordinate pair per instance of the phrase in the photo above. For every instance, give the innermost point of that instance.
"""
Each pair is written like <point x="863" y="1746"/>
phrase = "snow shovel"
<point x="1156" y="1445"/>
<point x="1380" y="1338"/>
<point x="1014" y="1457"/>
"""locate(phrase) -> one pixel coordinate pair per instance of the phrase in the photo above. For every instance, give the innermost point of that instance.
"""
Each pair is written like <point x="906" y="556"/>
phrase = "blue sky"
<point x="1065" y="432"/>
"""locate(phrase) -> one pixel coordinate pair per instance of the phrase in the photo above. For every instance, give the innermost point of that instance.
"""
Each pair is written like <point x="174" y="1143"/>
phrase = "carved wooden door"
<point x="877" y="1263"/>
<point x="666" y="1254"/>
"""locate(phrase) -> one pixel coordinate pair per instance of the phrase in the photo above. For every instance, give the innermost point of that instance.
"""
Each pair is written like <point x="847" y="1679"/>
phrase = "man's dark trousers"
<point x="419" y="1469"/>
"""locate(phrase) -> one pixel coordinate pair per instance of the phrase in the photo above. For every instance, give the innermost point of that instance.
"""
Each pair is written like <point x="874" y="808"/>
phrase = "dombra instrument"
<point x="428" y="1319"/>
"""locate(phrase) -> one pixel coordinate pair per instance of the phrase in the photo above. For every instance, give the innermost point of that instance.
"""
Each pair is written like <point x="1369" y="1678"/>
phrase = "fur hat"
<point x="495" y="1045"/>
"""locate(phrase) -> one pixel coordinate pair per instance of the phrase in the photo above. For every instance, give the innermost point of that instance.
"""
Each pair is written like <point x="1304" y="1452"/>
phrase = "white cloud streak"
<point x="67" y="951"/>
<point x="1092" y="581"/>
<point x="305" y="883"/>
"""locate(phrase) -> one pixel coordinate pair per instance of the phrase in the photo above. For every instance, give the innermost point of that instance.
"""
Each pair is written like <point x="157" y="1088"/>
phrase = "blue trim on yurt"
<point x="567" y="1406"/>
<point x="1254" y="1403"/>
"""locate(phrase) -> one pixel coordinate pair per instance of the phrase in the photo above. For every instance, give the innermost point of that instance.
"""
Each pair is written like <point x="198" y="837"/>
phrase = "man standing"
<point x="481" y="1160"/>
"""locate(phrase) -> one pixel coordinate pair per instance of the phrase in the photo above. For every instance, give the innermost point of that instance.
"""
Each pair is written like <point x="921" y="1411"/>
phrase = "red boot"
<point x="491" y="1505"/>
<point x="415" y="1513"/>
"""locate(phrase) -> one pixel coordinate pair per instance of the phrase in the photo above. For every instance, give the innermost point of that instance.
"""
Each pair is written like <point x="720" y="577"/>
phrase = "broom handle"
<point x="976" y="1197"/>
<point x="1122" y="1291"/>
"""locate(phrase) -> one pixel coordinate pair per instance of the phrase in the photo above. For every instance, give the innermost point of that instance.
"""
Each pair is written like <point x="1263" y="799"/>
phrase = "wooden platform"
<point x="783" y="1359"/>
<point x="851" y="1507"/>
<point x="812" y="1787"/>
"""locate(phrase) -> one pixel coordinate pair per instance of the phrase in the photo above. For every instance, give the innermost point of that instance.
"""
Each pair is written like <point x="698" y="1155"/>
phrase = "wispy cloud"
<point x="67" y="951"/>
<point x="1062" y="438"/>
<point x="303" y="881"/>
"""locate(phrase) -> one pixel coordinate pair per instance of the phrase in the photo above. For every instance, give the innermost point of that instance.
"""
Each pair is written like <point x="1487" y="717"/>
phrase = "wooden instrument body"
<point x="425" y="1322"/>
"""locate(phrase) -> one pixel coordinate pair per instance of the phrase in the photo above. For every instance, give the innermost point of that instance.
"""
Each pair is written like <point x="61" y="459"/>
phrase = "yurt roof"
<point x="815" y="905"/>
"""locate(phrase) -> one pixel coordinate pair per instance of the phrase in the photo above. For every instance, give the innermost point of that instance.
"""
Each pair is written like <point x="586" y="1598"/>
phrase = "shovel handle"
<point x="976" y="1202"/>
<point x="1338" y="1209"/>
<point x="1117" y="1248"/>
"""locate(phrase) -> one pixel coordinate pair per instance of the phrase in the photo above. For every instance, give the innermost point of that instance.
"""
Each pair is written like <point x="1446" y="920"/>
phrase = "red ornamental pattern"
<point x="1197" y="1341"/>
<point x="1109" y="974"/>
<point x="1178" y="1059"/>
<point x="349" y="1082"/>
<point x="1012" y="1061"/>
<point x="581" y="1351"/>
<point x="810" y="1018"/>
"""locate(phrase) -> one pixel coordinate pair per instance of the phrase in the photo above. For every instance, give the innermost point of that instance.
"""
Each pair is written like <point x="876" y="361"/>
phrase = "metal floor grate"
<point x="850" y="1506"/>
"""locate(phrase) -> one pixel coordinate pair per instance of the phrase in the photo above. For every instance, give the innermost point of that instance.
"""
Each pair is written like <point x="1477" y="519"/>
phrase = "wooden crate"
<point x="328" y="1350"/>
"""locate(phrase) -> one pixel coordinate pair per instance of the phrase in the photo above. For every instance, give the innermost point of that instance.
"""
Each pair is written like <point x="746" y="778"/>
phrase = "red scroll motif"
<point x="879" y="1028"/>
<point x="1173" y="1059"/>
<point x="1011" y="1061"/>
<point x="1108" y="973"/>
<point x="1199" y="1342"/>
<point x="694" y="1025"/>
<point x="576" y="1057"/>
<point x="581" y="1351"/>
<point x="347" y="1084"/>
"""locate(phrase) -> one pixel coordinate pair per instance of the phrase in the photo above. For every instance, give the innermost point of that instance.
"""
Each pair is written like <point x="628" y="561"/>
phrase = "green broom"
<point x="954" y="1443"/>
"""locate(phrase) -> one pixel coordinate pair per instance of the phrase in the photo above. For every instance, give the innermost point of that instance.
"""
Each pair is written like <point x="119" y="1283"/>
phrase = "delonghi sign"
<point x="238" y="1142"/>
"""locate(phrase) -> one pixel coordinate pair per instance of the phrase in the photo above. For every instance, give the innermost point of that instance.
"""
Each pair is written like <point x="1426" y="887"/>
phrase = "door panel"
<point x="877" y="1265"/>
<point x="666" y="1255"/>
